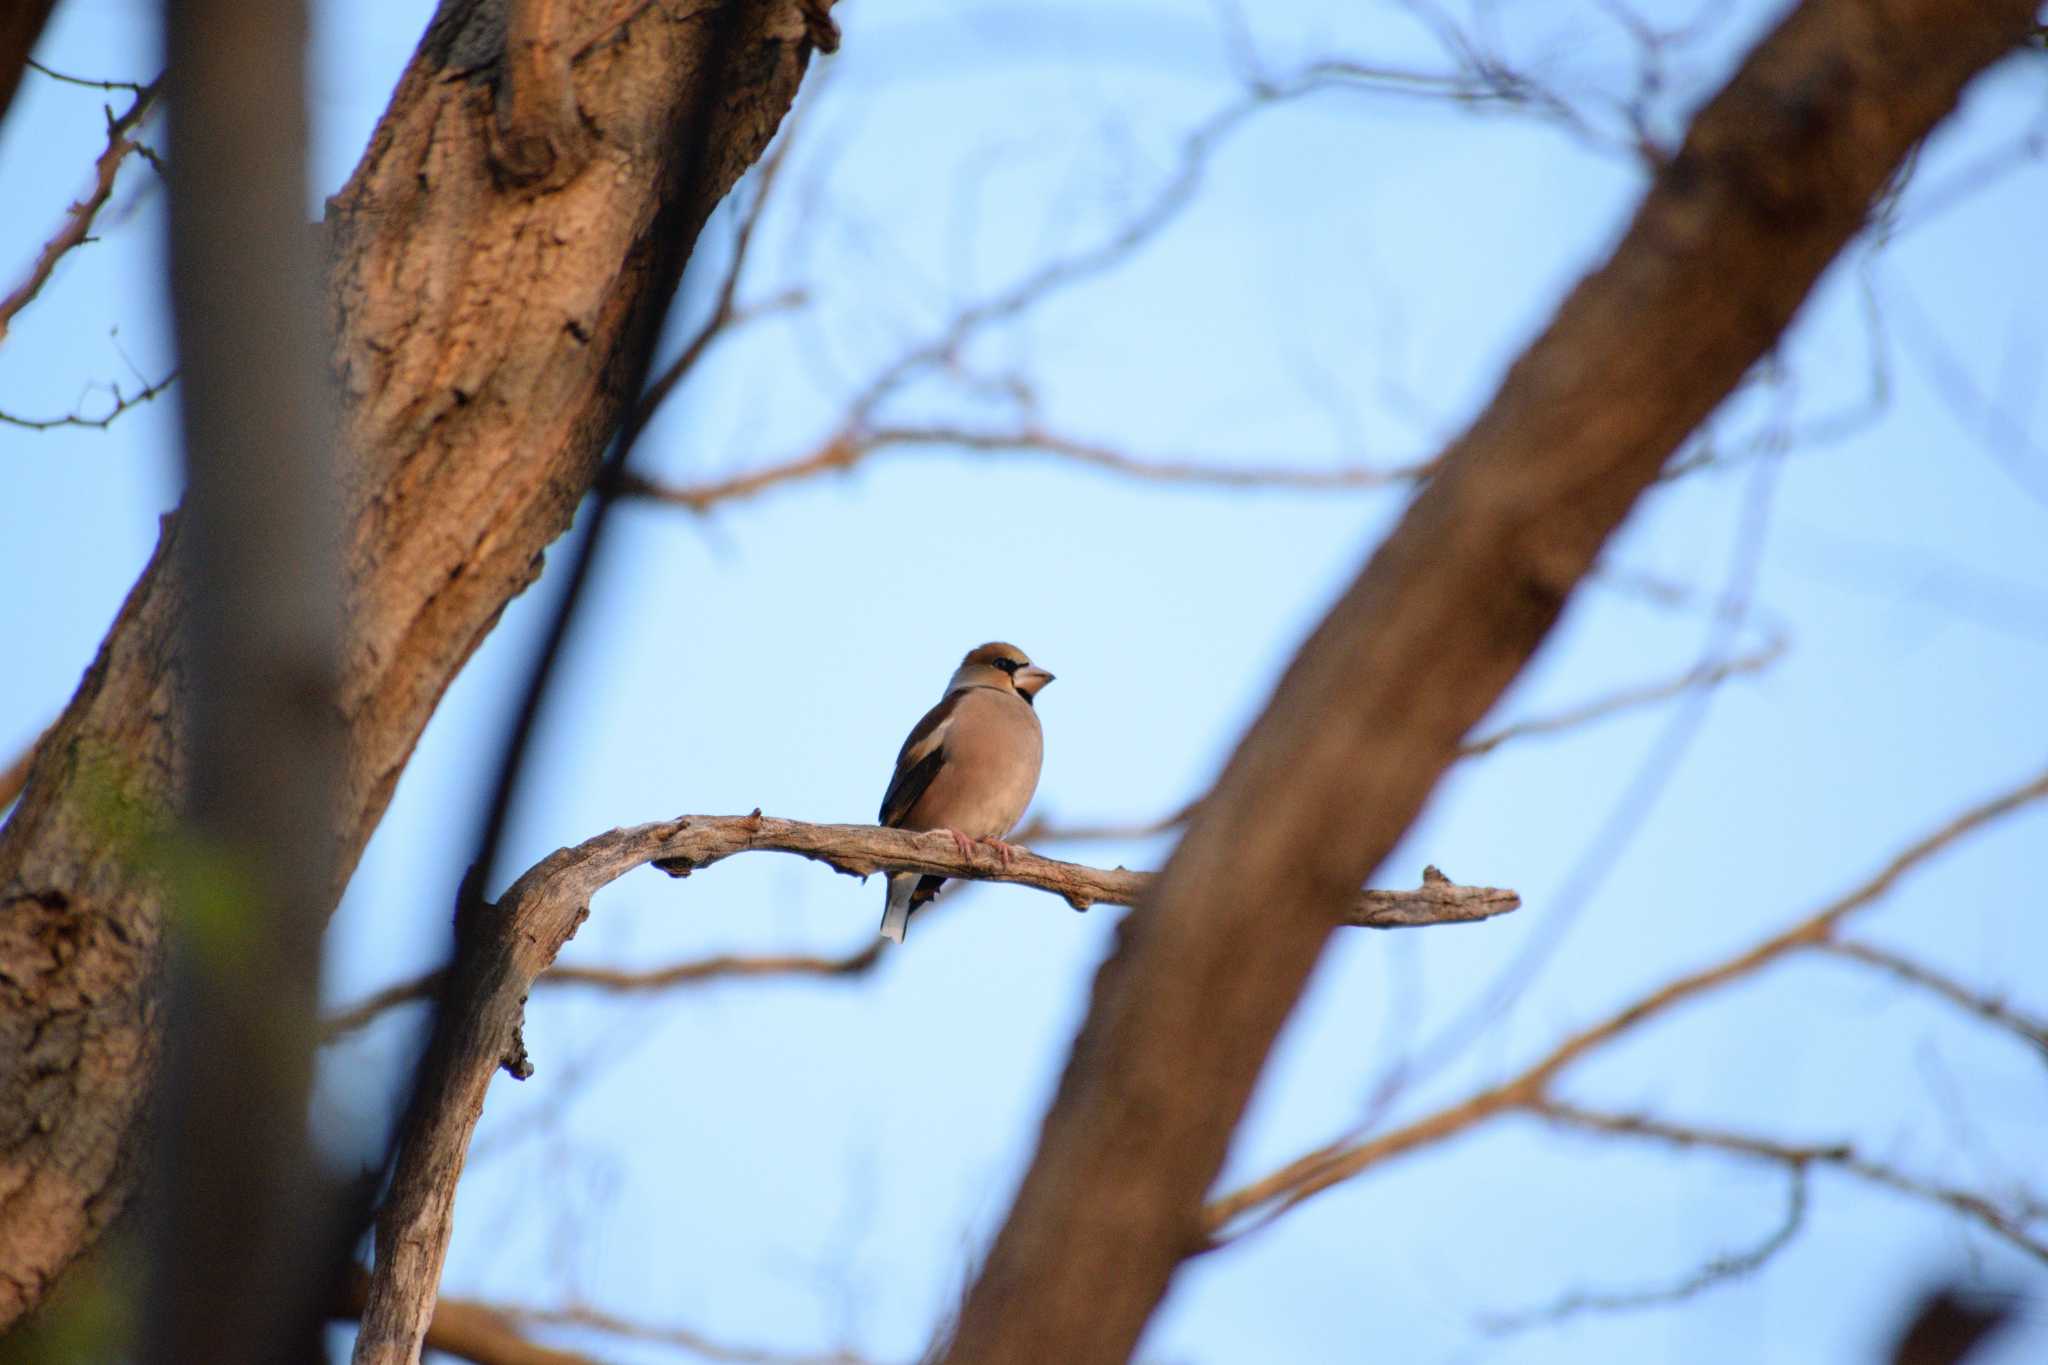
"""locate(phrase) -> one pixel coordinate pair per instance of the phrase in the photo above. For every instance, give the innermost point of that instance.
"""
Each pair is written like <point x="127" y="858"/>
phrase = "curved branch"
<point x="681" y="846"/>
<point x="503" y="949"/>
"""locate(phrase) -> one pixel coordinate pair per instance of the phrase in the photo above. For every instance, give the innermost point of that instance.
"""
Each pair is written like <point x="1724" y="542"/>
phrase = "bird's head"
<point x="1003" y="667"/>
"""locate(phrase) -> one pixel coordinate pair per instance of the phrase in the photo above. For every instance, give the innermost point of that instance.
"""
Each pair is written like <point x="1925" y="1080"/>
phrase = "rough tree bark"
<point x="486" y="324"/>
<point x="1774" y="178"/>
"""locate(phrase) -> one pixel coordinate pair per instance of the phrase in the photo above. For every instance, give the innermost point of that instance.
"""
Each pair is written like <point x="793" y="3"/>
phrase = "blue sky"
<point x="805" y="1165"/>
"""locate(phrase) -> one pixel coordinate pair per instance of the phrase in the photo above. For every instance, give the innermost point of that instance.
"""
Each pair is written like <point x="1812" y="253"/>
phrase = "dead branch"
<point x="78" y="222"/>
<point x="1273" y="1194"/>
<point x="691" y="842"/>
<point x="1776" y="175"/>
<point x="503" y="949"/>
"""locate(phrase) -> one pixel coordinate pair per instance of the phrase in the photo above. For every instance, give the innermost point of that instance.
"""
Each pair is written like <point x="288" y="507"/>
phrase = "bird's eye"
<point x="1008" y="665"/>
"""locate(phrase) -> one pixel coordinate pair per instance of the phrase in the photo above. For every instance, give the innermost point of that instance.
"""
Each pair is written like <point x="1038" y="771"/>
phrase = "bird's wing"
<point x="923" y="754"/>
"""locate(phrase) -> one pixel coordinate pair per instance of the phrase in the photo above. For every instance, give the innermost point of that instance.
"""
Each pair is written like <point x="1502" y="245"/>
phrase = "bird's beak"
<point x="1030" y="678"/>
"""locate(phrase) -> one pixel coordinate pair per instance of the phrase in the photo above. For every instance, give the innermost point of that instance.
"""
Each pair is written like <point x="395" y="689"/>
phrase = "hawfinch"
<point x="969" y="767"/>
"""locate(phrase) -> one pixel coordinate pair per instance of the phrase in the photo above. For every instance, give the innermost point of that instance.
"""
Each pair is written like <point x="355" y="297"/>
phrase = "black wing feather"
<point x="911" y="779"/>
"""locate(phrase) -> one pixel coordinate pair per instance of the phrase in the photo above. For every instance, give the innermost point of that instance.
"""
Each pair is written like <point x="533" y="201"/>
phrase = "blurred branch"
<point x="1281" y="1190"/>
<point x="696" y="1343"/>
<point x="695" y="971"/>
<point x="726" y="313"/>
<point x="684" y="845"/>
<point x="251" y="863"/>
<point x="845" y="450"/>
<point x="481" y="1333"/>
<point x="1040" y="829"/>
<point x="1947" y="1327"/>
<point x="79" y="222"/>
<point x="1721" y="1269"/>
<point x="2009" y="1224"/>
<point x="2033" y="1030"/>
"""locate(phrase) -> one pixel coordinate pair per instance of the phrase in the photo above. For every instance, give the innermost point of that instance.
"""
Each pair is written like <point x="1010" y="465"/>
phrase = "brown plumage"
<point x="969" y="767"/>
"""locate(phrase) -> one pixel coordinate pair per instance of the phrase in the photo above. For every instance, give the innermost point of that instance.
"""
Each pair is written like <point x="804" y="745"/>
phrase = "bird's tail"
<point x="896" y="916"/>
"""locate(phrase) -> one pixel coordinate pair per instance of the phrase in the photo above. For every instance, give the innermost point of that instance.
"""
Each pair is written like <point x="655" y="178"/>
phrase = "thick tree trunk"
<point x="487" y="319"/>
<point x="1775" y="177"/>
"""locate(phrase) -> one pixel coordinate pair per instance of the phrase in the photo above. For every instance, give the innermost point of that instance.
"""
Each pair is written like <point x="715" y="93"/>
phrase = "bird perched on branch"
<point x="968" y="768"/>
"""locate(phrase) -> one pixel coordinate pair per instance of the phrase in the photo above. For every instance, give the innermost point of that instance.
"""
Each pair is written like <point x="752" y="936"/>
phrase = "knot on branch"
<point x="536" y="138"/>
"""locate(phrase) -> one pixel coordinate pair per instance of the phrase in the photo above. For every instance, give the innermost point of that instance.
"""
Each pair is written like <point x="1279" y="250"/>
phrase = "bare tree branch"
<point x="504" y="949"/>
<point x="689" y="973"/>
<point x="843" y="451"/>
<point x="78" y="222"/>
<point x="1727" y="1266"/>
<point x="2007" y="1223"/>
<point x="690" y="842"/>
<point x="77" y="418"/>
<point x="1282" y="1189"/>
<point x="1989" y="1007"/>
<point x="1042" y="829"/>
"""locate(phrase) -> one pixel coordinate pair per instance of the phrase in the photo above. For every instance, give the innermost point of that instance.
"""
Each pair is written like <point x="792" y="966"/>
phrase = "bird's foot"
<point x="1007" y="850"/>
<point x="963" y="843"/>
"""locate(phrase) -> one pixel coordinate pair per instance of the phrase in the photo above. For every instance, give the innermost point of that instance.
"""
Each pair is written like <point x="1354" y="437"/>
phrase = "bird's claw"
<point x="1007" y="850"/>
<point x="963" y="843"/>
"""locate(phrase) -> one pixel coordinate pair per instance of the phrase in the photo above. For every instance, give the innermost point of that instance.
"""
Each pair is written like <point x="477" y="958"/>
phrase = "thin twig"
<point x="78" y="223"/>
<point x="1719" y="1270"/>
<point x="843" y="450"/>
<point x="1955" y="992"/>
<point x="122" y="402"/>
<point x="1840" y="1156"/>
<point x="1273" y="1194"/>
<point x="695" y="971"/>
<point x="1042" y="830"/>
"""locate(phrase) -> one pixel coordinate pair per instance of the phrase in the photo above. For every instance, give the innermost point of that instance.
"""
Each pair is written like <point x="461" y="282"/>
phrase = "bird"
<point x="969" y="767"/>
